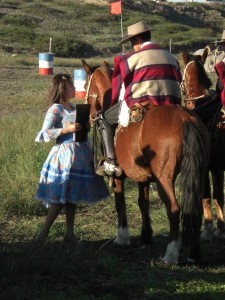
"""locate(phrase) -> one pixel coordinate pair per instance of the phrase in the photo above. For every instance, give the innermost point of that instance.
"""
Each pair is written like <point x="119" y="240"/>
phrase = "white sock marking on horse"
<point x="219" y="234"/>
<point x="172" y="253"/>
<point x="123" y="237"/>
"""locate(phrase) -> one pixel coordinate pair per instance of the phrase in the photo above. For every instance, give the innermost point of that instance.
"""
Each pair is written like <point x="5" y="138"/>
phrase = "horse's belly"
<point x="129" y="155"/>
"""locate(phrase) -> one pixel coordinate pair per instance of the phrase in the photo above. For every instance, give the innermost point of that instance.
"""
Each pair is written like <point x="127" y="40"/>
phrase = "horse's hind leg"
<point x="167" y="195"/>
<point x="208" y="230"/>
<point x="143" y="202"/>
<point x="123" y="236"/>
<point x="218" y="197"/>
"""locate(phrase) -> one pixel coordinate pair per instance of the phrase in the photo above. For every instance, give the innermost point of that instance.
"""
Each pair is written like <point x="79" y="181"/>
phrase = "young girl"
<point x="68" y="175"/>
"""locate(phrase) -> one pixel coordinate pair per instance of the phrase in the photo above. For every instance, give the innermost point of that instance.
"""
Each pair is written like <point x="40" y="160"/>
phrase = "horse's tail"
<point x="193" y="169"/>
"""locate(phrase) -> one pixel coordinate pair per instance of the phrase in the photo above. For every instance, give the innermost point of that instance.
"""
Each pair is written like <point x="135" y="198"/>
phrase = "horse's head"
<point x="196" y="82"/>
<point x="98" y="87"/>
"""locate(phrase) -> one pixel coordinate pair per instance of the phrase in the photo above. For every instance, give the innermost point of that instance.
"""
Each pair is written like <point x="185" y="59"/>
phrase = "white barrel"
<point x="45" y="63"/>
<point x="80" y="76"/>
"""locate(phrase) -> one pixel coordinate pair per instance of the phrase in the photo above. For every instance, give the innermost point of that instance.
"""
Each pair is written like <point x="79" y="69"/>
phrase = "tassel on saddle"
<point x="138" y="110"/>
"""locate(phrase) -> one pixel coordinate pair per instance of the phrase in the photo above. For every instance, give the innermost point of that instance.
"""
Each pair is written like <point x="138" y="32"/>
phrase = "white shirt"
<point x="124" y="110"/>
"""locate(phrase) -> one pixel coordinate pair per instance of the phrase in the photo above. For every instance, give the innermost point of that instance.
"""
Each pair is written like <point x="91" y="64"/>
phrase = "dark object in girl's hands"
<point x="82" y="117"/>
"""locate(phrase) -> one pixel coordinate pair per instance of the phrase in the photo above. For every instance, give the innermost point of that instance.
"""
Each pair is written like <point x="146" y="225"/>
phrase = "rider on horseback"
<point x="220" y="70"/>
<point x="149" y="74"/>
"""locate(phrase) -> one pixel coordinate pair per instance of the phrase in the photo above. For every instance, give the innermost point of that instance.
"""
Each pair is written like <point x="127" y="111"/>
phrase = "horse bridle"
<point x="87" y="96"/>
<point x="93" y="95"/>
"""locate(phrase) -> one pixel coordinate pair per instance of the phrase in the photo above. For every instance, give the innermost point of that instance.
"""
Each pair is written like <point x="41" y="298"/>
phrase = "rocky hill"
<point x="86" y="28"/>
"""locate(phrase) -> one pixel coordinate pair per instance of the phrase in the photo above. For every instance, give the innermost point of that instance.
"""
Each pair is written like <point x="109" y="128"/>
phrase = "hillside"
<point x="87" y="29"/>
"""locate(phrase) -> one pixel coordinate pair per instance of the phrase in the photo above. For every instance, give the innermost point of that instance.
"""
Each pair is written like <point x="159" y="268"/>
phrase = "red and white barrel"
<point x="45" y="63"/>
<point x="80" y="76"/>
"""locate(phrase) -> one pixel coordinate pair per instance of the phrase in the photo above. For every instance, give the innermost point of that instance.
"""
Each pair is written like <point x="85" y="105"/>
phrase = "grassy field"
<point x="87" y="29"/>
<point x="93" y="269"/>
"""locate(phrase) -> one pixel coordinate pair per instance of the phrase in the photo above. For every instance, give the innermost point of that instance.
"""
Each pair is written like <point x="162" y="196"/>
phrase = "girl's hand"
<point x="73" y="127"/>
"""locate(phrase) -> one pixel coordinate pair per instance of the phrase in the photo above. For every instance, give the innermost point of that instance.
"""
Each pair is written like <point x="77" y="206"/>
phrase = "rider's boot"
<point x="109" y="166"/>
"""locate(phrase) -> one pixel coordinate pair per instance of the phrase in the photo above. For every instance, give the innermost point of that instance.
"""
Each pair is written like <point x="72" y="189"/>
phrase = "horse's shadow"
<point x="96" y="268"/>
<point x="18" y="254"/>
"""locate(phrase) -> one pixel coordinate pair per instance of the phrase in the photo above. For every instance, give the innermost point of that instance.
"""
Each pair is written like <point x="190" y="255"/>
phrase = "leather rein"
<point x="91" y="95"/>
<point x="87" y="96"/>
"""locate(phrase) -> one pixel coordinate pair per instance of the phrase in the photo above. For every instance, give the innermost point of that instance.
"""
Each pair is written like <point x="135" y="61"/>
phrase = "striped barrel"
<point x="45" y="63"/>
<point x="79" y="82"/>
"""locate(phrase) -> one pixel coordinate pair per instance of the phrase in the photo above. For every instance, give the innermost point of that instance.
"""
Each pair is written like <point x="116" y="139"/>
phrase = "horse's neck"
<point x="193" y="88"/>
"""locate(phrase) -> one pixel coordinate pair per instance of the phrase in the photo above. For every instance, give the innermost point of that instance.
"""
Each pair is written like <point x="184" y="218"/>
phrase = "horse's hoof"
<point x="70" y="239"/>
<point x="206" y="236"/>
<point x="190" y="260"/>
<point x="40" y="238"/>
<point x="172" y="253"/>
<point x="123" y="237"/>
<point x="219" y="234"/>
<point x="167" y="261"/>
<point x="120" y="242"/>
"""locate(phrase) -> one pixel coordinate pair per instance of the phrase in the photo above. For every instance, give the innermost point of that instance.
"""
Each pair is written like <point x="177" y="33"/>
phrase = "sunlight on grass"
<point x="21" y="162"/>
<point x="94" y="258"/>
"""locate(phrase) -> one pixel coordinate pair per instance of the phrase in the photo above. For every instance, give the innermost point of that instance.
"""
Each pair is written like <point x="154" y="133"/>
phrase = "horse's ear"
<point x="87" y="68"/>
<point x="105" y="64"/>
<point x="204" y="55"/>
<point x="184" y="56"/>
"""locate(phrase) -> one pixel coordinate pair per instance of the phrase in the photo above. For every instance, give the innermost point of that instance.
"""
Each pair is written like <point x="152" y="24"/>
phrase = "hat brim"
<point x="129" y="37"/>
<point x="218" y="42"/>
<point x="126" y="39"/>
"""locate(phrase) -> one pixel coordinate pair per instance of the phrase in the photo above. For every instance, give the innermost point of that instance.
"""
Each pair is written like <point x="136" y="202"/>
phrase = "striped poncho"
<point x="150" y="74"/>
<point x="220" y="69"/>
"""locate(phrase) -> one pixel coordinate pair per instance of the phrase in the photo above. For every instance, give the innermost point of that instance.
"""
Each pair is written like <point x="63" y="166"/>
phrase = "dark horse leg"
<point x="167" y="195"/>
<point x="123" y="236"/>
<point x="218" y="198"/>
<point x="144" y="205"/>
<point x="207" y="211"/>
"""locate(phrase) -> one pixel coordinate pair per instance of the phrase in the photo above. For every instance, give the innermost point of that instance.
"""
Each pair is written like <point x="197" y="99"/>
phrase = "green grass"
<point x="93" y="269"/>
<point x="79" y="29"/>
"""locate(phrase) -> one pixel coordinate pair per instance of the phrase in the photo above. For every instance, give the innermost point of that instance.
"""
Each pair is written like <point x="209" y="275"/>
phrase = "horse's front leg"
<point x="218" y="198"/>
<point x="208" y="230"/>
<point x="123" y="236"/>
<point x="144" y="205"/>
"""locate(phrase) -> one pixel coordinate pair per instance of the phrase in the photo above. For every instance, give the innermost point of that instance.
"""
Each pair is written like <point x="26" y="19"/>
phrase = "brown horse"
<point x="168" y="140"/>
<point x="207" y="104"/>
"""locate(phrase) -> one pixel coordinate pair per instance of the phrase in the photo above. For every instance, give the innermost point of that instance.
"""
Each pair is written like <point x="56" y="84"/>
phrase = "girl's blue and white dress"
<point x="68" y="173"/>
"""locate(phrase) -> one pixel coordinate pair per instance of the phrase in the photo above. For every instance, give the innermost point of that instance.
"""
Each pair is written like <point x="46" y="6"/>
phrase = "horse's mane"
<point x="203" y="78"/>
<point x="103" y="67"/>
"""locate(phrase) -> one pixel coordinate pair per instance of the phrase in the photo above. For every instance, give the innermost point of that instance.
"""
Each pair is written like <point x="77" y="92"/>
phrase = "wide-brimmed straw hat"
<point x="134" y="30"/>
<point x="222" y="38"/>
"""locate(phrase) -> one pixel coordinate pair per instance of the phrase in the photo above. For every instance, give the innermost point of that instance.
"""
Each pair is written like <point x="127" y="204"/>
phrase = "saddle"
<point x="138" y="110"/>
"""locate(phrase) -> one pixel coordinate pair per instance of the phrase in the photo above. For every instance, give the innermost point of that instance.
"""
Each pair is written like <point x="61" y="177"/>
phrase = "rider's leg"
<point x="107" y="126"/>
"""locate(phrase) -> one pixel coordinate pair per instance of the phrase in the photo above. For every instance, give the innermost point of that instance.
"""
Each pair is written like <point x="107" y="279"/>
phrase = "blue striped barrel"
<point x="45" y="63"/>
<point x="80" y="76"/>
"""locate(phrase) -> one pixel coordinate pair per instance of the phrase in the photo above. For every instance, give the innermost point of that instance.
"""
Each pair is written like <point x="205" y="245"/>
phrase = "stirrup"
<point x="100" y="168"/>
<point x="111" y="167"/>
